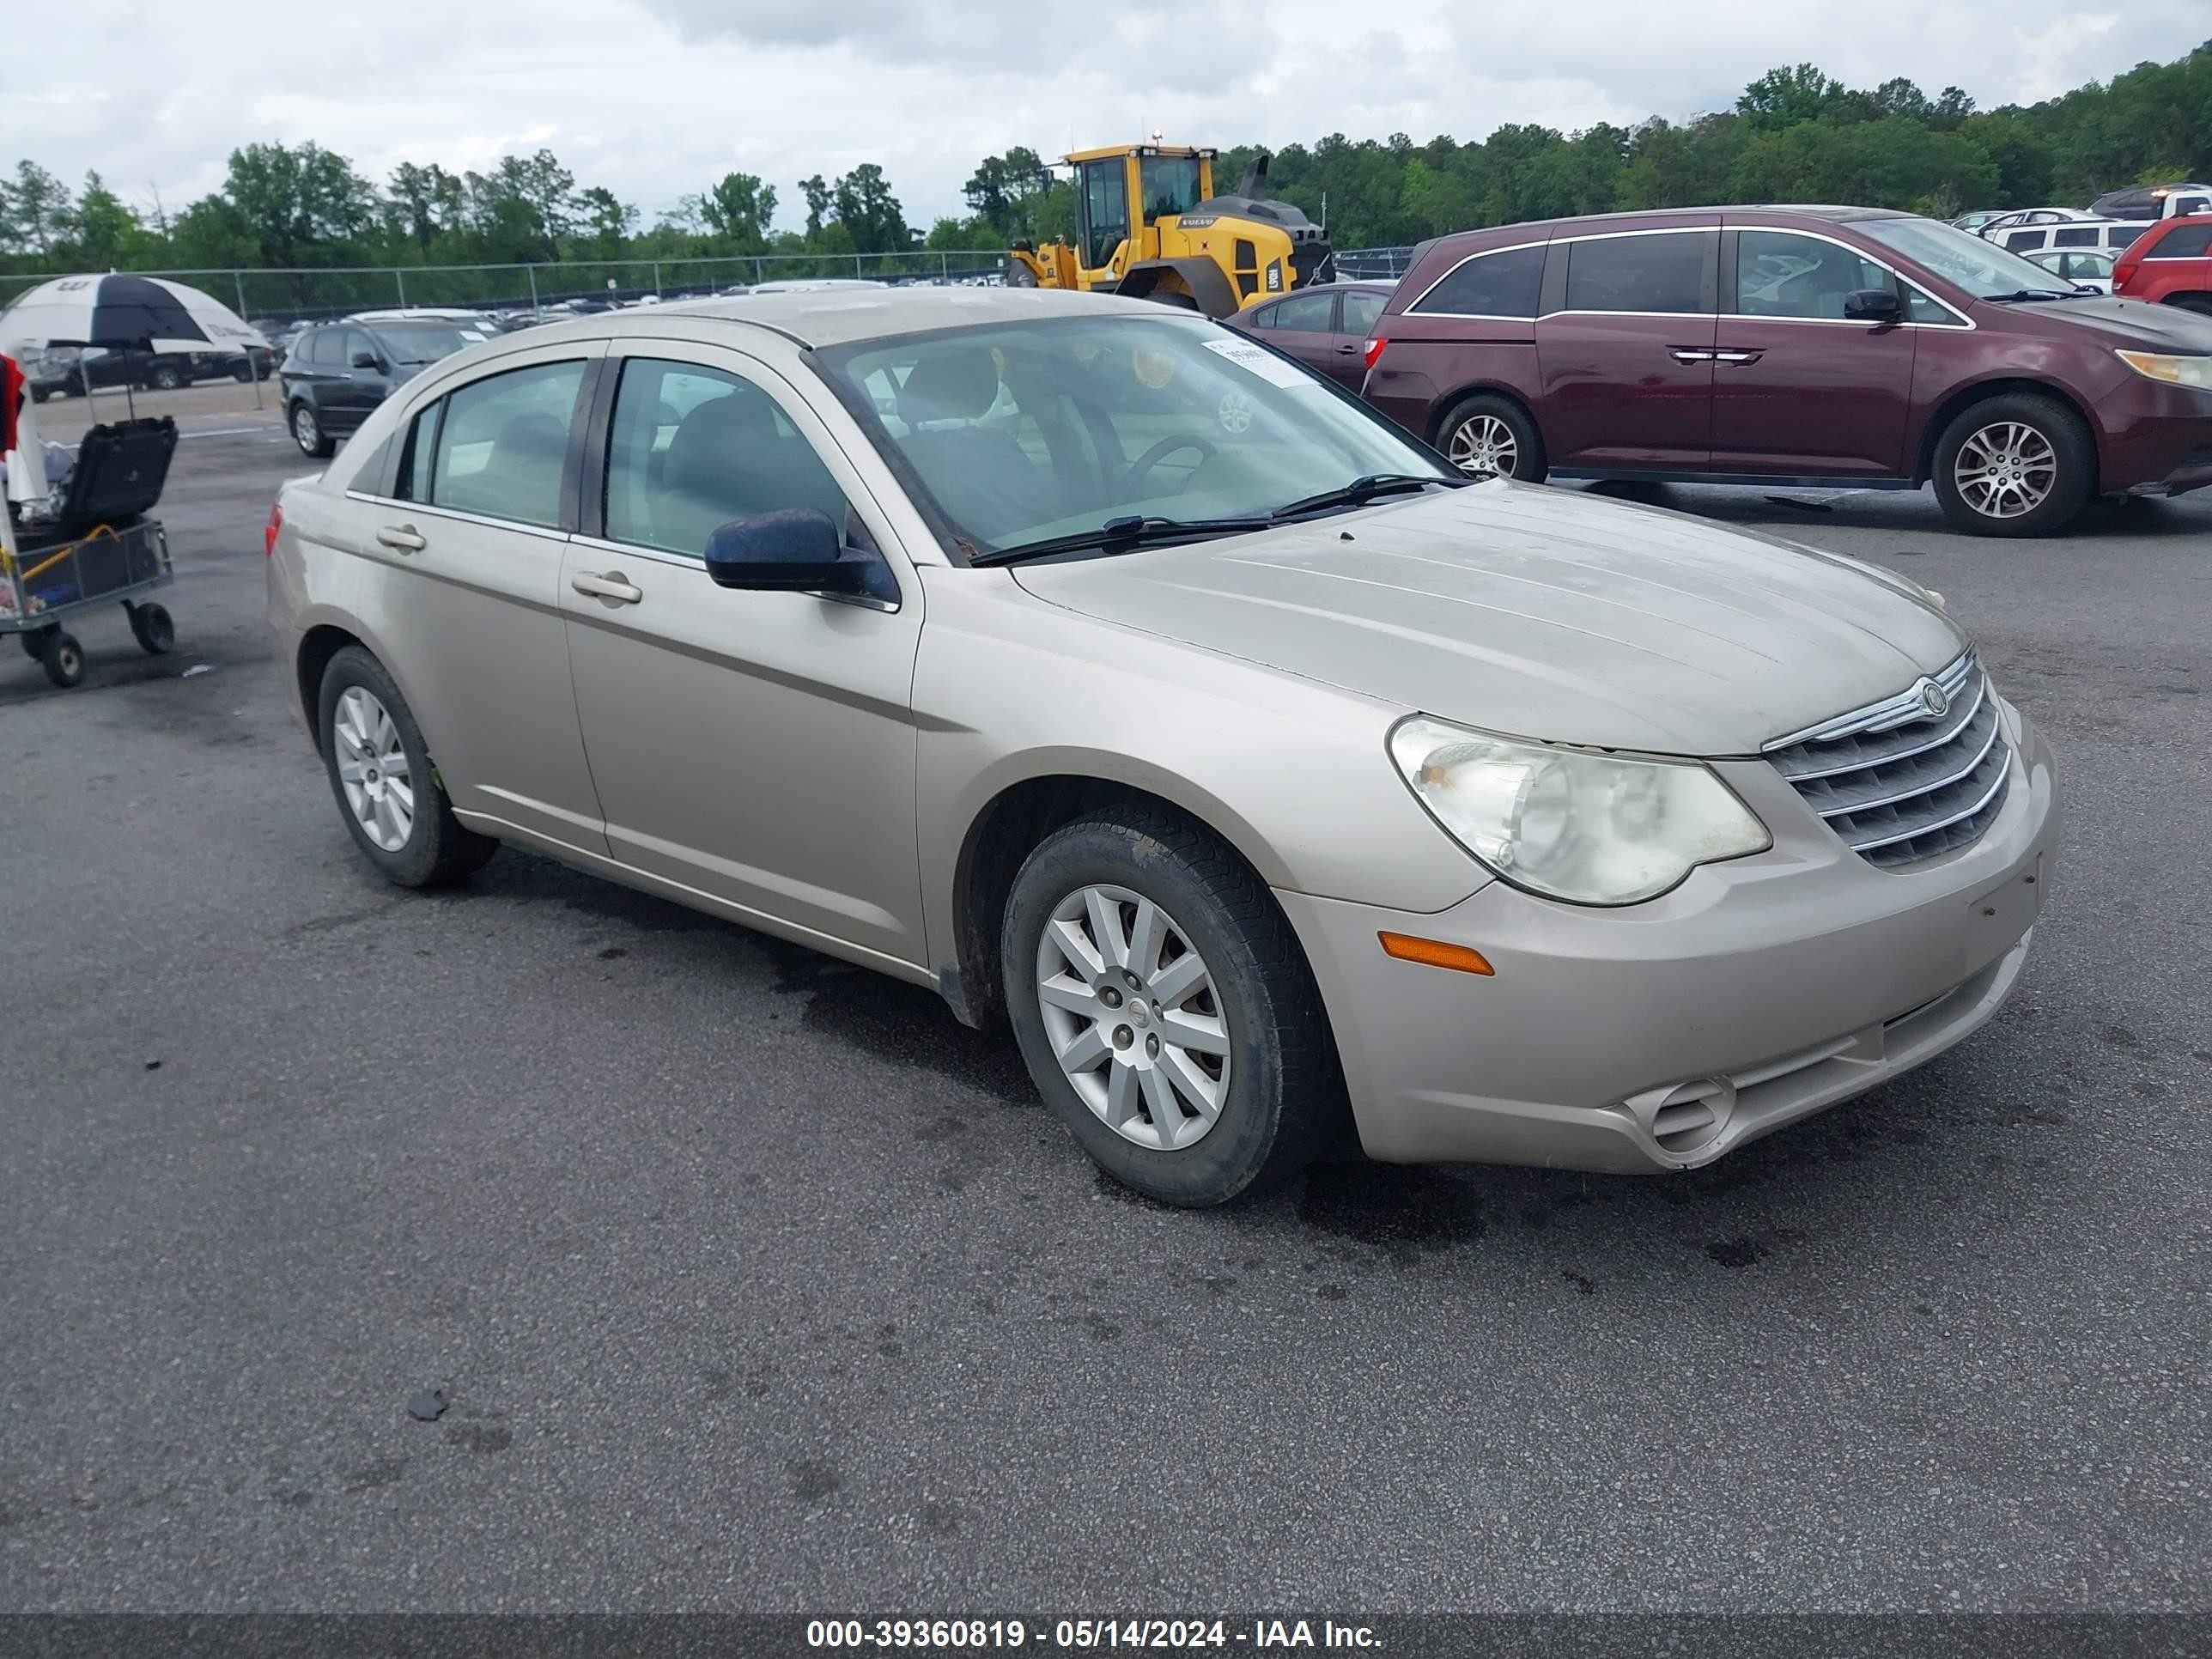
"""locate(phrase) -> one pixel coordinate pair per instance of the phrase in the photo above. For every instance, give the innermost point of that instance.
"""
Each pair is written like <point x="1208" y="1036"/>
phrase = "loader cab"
<point x="1161" y="182"/>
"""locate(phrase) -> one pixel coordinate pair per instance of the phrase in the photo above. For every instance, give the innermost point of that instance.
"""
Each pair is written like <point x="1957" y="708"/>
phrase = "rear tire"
<point x="166" y="377"/>
<point x="151" y="626"/>
<point x="2019" y="463"/>
<point x="307" y="431"/>
<point x="63" y="659"/>
<point x="422" y="844"/>
<point x="1277" y="1095"/>
<point x="1487" y="436"/>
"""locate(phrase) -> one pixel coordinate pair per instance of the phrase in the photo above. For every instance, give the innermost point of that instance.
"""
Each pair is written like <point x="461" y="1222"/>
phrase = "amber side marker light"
<point x="1435" y="953"/>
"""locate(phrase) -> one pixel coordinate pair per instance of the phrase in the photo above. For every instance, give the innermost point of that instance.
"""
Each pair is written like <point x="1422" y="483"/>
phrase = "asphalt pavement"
<point x="755" y="1282"/>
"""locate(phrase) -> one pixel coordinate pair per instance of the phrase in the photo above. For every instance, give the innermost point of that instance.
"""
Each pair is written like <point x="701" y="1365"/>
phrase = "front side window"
<point x="1013" y="432"/>
<point x="1664" y="272"/>
<point x="1105" y="209"/>
<point x="1171" y="183"/>
<point x="1779" y="273"/>
<point x="1308" y="314"/>
<point x="693" y="447"/>
<point x="1503" y="284"/>
<point x="503" y="445"/>
<point x="354" y="347"/>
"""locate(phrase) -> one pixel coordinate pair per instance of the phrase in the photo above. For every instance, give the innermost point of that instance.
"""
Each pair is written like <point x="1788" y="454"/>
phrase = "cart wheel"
<point x="151" y="625"/>
<point x="64" y="659"/>
<point x="34" y="643"/>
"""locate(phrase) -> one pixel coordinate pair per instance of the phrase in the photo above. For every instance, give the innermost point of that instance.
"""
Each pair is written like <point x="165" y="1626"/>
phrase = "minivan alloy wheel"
<point x="2006" y="469"/>
<point x="1129" y="1007"/>
<point x="373" y="766"/>
<point x="305" y="432"/>
<point x="1483" y="446"/>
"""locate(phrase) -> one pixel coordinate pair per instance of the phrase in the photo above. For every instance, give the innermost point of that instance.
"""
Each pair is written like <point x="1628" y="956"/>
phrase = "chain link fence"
<point x="275" y="299"/>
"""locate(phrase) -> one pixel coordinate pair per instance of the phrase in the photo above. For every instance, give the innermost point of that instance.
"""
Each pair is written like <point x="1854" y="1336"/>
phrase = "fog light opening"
<point x="1692" y="1115"/>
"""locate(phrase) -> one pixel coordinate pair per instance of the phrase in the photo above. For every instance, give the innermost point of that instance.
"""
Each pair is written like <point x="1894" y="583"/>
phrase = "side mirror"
<point x="365" y="360"/>
<point x="795" y="550"/>
<point x="1873" y="305"/>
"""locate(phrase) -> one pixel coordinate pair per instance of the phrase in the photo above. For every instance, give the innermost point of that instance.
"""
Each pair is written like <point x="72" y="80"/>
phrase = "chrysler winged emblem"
<point x="1934" y="700"/>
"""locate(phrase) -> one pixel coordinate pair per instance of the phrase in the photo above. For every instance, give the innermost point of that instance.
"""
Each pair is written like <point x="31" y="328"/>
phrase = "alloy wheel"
<point x="305" y="430"/>
<point x="1483" y="446"/>
<point x="1130" y="1009"/>
<point x="2005" y="469"/>
<point x="373" y="766"/>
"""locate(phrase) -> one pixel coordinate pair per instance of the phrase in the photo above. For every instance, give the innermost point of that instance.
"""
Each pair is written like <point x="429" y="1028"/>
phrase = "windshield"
<point x="1013" y="432"/>
<point x="425" y="342"/>
<point x="1983" y="268"/>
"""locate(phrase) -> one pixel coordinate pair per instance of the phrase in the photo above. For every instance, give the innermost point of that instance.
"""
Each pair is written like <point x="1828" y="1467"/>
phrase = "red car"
<point x="1325" y="327"/>
<point x="1794" y="345"/>
<point x="2170" y="264"/>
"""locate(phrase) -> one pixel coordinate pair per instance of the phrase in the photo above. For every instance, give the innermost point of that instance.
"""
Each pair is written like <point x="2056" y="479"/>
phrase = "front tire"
<point x="63" y="659"/>
<point x="2014" y="465"/>
<point x="165" y="378"/>
<point x="307" y="432"/>
<point x="387" y="791"/>
<point x="1487" y="436"/>
<point x="1165" y="1010"/>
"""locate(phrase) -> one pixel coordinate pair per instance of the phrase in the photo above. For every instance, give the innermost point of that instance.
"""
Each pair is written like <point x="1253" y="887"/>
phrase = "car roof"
<point x="827" y="317"/>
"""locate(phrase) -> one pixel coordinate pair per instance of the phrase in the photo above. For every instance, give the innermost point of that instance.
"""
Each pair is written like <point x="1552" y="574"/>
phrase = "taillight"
<point x="269" y="531"/>
<point x="2123" y="274"/>
<point x="1374" y="350"/>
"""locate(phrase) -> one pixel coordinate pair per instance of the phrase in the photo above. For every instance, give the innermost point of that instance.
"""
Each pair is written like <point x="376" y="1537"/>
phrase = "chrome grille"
<point x="1898" y="783"/>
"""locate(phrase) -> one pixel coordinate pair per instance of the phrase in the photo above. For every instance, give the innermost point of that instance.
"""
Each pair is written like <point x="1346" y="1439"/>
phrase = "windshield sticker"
<point x="1259" y="361"/>
<point x="469" y="334"/>
<point x="1235" y="412"/>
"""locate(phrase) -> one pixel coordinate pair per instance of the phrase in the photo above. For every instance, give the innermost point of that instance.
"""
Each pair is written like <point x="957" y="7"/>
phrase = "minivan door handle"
<point x="1737" y="356"/>
<point x="612" y="585"/>
<point x="401" y="539"/>
<point x="1691" y="354"/>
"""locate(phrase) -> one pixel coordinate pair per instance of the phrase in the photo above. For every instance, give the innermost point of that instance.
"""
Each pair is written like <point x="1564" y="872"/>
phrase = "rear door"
<point x="1797" y="388"/>
<point x="1358" y="311"/>
<point x="1625" y="349"/>
<point x="467" y="561"/>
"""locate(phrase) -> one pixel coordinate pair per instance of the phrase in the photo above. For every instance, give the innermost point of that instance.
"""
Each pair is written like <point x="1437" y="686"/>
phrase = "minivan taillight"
<point x="269" y="531"/>
<point x="1374" y="350"/>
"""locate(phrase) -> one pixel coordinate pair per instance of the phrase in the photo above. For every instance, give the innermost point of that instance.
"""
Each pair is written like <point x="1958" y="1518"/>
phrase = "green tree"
<point x="1005" y="192"/>
<point x="738" y="210"/>
<point x="818" y="197"/>
<point x="306" y="206"/>
<point x="869" y="212"/>
<point x="34" y="209"/>
<point x="1788" y="97"/>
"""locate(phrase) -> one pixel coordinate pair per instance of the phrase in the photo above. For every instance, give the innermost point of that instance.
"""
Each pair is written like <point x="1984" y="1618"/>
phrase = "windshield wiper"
<point x="2029" y="294"/>
<point x="1366" y="488"/>
<point x="1121" y="533"/>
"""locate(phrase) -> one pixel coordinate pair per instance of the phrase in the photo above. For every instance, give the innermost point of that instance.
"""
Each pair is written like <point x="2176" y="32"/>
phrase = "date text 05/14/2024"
<point x="1261" y="1635"/>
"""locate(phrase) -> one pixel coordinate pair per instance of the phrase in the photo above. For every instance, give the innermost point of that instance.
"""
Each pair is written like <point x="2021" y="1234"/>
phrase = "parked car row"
<point x="65" y="371"/>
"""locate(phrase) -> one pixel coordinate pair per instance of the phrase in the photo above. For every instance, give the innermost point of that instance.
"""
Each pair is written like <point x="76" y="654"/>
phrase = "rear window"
<point x="1501" y="284"/>
<point x="2183" y="242"/>
<point x="1663" y="272"/>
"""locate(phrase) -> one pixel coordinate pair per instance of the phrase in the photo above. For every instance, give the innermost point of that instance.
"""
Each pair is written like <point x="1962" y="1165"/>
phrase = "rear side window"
<point x="1360" y="311"/>
<point x="323" y="346"/>
<point x="504" y="444"/>
<point x="2020" y="241"/>
<point x="1502" y="284"/>
<point x="2121" y="235"/>
<point x="1663" y="272"/>
<point x="2075" y="237"/>
<point x="2183" y="242"/>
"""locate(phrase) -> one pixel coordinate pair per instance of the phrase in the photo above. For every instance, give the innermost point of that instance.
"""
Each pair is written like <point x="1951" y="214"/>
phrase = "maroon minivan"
<point x="1793" y="345"/>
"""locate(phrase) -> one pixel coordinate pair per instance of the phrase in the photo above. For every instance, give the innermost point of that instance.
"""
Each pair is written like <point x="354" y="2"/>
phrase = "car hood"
<point x="2136" y="324"/>
<point x="1539" y="612"/>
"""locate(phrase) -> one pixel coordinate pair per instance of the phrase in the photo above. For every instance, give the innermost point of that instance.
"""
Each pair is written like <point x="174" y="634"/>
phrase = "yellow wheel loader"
<point x="1148" y="225"/>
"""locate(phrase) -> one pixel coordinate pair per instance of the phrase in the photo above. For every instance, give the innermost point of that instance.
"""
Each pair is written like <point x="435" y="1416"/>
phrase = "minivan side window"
<point x="504" y="444"/>
<point x="2183" y="242"/>
<point x="1502" y="284"/>
<point x="1920" y="307"/>
<point x="1660" y="272"/>
<point x="1779" y="273"/>
<point x="2019" y="240"/>
<point x="2075" y="237"/>
<point x="693" y="447"/>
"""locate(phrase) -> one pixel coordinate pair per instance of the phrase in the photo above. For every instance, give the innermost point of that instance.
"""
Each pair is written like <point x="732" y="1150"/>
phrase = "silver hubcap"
<point x="2005" y="469"/>
<point x="1130" y="1010"/>
<point x="1483" y="447"/>
<point x="373" y="767"/>
<point x="303" y="428"/>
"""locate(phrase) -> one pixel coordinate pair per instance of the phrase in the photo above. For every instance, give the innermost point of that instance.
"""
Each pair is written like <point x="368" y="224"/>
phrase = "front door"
<point x="755" y="747"/>
<point x="1625" y="351"/>
<point x="359" y="385"/>
<point x="466" y="555"/>
<point x="1798" y="390"/>
<point x="1105" y="208"/>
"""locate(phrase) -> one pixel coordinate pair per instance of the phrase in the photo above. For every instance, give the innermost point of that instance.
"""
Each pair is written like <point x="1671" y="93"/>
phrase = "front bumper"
<point x="1661" y="1036"/>
<point x="2157" y="439"/>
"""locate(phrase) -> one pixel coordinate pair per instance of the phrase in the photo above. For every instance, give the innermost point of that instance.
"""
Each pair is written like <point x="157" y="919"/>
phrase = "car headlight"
<point x="1572" y="824"/>
<point x="2195" y="372"/>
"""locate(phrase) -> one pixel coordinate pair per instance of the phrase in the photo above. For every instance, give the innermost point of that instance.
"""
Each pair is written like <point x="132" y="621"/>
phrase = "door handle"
<point x="1685" y="355"/>
<point x="612" y="585"/>
<point x="1348" y="350"/>
<point x="401" y="539"/>
<point x="1739" y="357"/>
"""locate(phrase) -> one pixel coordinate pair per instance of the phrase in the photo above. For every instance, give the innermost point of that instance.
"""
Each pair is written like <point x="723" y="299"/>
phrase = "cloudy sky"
<point x="656" y="98"/>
